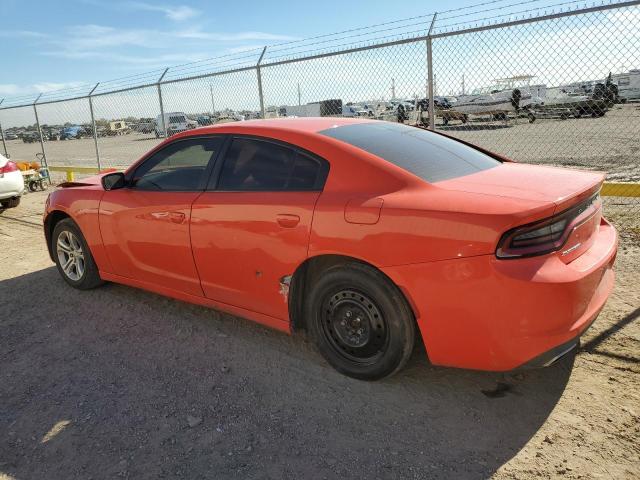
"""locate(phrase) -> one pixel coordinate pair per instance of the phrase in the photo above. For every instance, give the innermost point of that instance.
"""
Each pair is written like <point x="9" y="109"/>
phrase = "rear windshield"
<point x="427" y="155"/>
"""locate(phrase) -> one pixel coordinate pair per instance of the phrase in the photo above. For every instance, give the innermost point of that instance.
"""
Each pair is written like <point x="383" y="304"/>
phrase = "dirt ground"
<point x="610" y="143"/>
<point x="121" y="383"/>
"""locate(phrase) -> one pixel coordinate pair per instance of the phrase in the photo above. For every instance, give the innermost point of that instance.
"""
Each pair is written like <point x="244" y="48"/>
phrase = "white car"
<point x="11" y="183"/>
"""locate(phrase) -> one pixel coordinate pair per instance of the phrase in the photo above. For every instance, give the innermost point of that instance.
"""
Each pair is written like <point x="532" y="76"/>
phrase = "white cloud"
<point x="35" y="88"/>
<point x="176" y="13"/>
<point x="198" y="34"/>
<point x="82" y="41"/>
<point x="162" y="60"/>
<point x="22" y="34"/>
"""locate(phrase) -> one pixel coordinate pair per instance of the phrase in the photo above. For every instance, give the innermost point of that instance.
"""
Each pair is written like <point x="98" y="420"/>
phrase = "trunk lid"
<point x="561" y="186"/>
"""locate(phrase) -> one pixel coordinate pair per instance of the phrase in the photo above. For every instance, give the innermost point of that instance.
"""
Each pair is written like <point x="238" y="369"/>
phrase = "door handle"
<point x="286" y="220"/>
<point x="177" y="217"/>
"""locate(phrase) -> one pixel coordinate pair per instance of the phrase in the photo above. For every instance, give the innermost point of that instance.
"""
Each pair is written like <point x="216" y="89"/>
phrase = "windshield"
<point x="427" y="155"/>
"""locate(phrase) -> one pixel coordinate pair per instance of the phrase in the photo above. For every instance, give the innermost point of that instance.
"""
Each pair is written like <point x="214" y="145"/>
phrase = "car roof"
<point x="289" y="124"/>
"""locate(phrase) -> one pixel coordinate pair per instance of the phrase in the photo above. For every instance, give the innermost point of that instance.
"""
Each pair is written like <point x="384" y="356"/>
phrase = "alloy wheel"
<point x="70" y="255"/>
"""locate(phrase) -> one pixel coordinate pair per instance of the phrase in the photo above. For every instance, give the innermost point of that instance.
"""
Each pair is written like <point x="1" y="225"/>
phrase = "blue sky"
<point x="48" y="45"/>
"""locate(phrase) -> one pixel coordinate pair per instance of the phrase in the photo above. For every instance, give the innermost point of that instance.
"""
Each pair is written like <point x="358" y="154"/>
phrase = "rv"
<point x="324" y="108"/>
<point x="628" y="85"/>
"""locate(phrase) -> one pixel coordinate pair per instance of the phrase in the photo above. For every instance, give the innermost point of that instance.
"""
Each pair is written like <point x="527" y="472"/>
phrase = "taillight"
<point x="547" y="235"/>
<point x="9" y="167"/>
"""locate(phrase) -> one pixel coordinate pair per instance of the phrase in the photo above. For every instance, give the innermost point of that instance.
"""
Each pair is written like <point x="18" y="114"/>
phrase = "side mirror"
<point x="113" y="181"/>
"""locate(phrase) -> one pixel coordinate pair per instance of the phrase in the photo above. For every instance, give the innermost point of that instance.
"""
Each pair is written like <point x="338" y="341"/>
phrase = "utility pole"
<point x="393" y="89"/>
<point x="431" y="76"/>
<point x="463" y="84"/>
<point x="299" y="95"/>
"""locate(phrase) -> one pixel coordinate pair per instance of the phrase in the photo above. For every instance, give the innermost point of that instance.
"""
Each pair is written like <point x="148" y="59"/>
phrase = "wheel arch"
<point x="50" y="222"/>
<point x="304" y="276"/>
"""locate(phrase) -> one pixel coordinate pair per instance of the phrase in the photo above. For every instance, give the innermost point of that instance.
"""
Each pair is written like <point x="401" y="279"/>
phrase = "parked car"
<point x="145" y="127"/>
<point x="10" y="136"/>
<point x="11" y="183"/>
<point x="174" y="122"/>
<point x="366" y="234"/>
<point x="71" y="132"/>
<point x="50" y="133"/>
<point x="30" y="137"/>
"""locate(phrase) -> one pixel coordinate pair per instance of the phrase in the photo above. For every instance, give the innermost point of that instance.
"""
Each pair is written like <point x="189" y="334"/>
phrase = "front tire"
<point x="360" y="322"/>
<point x="73" y="257"/>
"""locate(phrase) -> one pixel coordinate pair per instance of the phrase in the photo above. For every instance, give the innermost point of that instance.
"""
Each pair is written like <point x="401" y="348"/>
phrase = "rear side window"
<point x="427" y="155"/>
<point x="256" y="165"/>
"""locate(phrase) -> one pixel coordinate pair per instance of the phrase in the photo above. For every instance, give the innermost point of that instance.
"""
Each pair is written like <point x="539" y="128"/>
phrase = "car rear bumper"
<point x="11" y="185"/>
<point x="490" y="314"/>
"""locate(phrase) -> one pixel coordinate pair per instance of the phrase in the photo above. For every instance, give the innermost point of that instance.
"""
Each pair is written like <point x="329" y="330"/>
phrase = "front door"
<point x="251" y="228"/>
<point x="145" y="226"/>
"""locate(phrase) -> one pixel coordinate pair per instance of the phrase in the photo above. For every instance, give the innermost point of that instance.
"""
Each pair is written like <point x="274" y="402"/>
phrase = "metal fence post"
<point x="44" y="153"/>
<point x="260" y="94"/>
<point x="93" y="126"/>
<point x="164" y="129"/>
<point x="432" y="113"/>
<point x="4" y="144"/>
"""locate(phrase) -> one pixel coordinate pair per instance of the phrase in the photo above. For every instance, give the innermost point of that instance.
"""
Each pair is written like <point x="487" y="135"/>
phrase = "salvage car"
<point x="11" y="183"/>
<point x="365" y="234"/>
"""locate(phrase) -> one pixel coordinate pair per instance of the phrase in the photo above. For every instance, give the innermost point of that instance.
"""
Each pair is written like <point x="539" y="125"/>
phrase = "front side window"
<point x="256" y="165"/>
<point x="178" y="167"/>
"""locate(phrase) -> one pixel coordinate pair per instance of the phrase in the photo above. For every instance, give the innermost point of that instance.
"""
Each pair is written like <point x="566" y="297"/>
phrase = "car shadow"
<point x="118" y="381"/>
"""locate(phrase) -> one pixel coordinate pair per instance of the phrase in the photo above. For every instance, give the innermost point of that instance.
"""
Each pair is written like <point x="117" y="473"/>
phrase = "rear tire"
<point x="73" y="257"/>
<point x="360" y="322"/>
<point x="10" y="203"/>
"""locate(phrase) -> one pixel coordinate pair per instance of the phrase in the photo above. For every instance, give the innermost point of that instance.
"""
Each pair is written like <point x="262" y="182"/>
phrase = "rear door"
<point x="251" y="228"/>
<point x="145" y="226"/>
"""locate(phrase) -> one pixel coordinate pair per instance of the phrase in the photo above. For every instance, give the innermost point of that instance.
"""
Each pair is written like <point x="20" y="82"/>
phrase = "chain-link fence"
<point x="540" y="83"/>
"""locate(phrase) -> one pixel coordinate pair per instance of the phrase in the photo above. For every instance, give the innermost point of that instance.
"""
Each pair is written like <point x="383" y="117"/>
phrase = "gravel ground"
<point x="610" y="143"/>
<point x="121" y="383"/>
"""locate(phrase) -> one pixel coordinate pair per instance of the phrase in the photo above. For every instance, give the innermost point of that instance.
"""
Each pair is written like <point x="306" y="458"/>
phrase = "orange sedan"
<point x="365" y="234"/>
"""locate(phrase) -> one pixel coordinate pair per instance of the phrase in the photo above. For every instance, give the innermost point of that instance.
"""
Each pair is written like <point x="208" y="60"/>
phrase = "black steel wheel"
<point x="354" y="325"/>
<point x="360" y="321"/>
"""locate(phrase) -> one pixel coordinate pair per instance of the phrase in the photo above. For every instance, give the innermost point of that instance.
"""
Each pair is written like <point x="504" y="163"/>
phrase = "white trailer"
<point x="308" y="110"/>
<point x="628" y="84"/>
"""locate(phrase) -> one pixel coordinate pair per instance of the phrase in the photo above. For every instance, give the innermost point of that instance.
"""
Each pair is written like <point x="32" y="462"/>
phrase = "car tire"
<point x="73" y="257"/>
<point x="360" y="322"/>
<point x="10" y="203"/>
